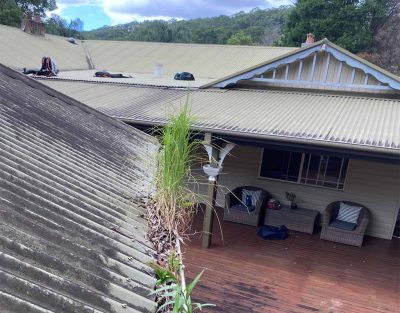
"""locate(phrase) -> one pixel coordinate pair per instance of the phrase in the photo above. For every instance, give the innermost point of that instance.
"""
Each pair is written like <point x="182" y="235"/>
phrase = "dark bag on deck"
<point x="273" y="233"/>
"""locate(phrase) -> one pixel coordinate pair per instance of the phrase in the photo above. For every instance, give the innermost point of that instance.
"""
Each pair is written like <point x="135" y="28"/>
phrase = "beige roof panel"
<point x="346" y="120"/>
<point x="19" y="50"/>
<point x="135" y="79"/>
<point x="203" y="61"/>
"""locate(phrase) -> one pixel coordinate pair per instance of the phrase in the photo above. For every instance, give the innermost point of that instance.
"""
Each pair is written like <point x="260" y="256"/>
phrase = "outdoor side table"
<point x="300" y="219"/>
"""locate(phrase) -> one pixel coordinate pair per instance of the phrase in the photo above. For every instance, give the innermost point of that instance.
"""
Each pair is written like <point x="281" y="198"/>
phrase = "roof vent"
<point x="158" y="70"/>
<point x="33" y="25"/>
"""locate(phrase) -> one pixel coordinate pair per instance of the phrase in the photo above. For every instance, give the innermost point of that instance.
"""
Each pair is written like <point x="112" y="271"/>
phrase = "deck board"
<point x="302" y="274"/>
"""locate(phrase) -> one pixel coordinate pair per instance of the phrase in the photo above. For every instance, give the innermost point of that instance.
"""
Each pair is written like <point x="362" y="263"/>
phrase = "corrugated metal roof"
<point x="72" y="235"/>
<point x="19" y="50"/>
<point x="348" y="120"/>
<point x="206" y="62"/>
<point x="203" y="61"/>
<point x="135" y="79"/>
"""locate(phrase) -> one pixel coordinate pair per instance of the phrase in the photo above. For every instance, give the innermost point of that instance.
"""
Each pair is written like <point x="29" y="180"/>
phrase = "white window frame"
<point x="298" y="182"/>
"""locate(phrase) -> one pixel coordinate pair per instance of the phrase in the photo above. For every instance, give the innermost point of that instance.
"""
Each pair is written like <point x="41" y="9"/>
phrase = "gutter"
<point x="88" y="56"/>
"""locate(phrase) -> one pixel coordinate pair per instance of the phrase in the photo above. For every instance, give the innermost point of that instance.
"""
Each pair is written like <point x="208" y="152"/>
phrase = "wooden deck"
<point x="301" y="274"/>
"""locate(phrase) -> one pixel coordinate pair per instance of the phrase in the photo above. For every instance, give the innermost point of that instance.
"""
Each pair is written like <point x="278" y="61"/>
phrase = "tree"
<point x="57" y="25"/>
<point x="10" y="13"/>
<point x="386" y="48"/>
<point x="263" y="26"/>
<point x="349" y="23"/>
<point x="37" y="6"/>
<point x="240" y="38"/>
<point x="77" y="24"/>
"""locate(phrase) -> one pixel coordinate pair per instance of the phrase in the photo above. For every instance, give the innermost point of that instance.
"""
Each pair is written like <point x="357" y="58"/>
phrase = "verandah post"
<point x="211" y="196"/>
<point x="209" y="214"/>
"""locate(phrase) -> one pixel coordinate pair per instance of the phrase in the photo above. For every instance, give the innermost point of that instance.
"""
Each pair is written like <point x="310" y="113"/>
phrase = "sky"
<point x="97" y="13"/>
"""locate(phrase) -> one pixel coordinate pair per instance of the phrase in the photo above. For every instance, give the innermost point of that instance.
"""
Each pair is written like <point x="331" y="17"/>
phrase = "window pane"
<point x="272" y="163"/>
<point x="319" y="170"/>
<point x="305" y="168"/>
<point x="324" y="171"/>
<point x="344" y="172"/>
<point x="280" y="164"/>
<point x="311" y="169"/>
<point x="333" y="172"/>
<point x="294" y="166"/>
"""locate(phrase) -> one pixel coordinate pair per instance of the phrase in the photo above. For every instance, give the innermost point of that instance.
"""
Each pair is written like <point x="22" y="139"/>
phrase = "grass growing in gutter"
<point x="171" y="213"/>
<point x="174" y="199"/>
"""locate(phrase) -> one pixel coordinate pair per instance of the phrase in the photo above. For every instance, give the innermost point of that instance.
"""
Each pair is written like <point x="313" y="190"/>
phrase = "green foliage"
<point x="37" y="6"/>
<point x="10" y="13"/>
<point x="291" y="196"/>
<point x="240" y="38"/>
<point x="57" y="25"/>
<point x="262" y="26"/>
<point x="179" y="299"/>
<point x="171" y="272"/>
<point x="174" y="263"/>
<point x="164" y="275"/>
<point x="174" y="199"/>
<point x="176" y="153"/>
<point x="349" y="23"/>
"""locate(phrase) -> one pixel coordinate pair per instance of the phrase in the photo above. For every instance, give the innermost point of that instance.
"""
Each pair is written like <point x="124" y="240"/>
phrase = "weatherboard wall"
<point x="375" y="185"/>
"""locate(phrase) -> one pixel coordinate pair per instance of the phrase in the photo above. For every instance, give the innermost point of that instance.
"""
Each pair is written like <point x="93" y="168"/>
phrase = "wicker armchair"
<point x="243" y="216"/>
<point x="354" y="237"/>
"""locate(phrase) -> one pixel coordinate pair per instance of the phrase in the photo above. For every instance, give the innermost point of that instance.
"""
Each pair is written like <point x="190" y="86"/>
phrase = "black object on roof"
<point x="184" y="76"/>
<point x="72" y="40"/>
<point x="109" y="75"/>
<point x="72" y="234"/>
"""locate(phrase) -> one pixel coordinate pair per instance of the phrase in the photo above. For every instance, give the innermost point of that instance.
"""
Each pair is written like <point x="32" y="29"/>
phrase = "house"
<point x="334" y="116"/>
<point x="317" y="105"/>
<point x="72" y="232"/>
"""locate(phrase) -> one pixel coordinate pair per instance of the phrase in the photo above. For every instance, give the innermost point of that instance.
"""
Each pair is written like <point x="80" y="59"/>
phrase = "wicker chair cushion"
<point x="254" y="194"/>
<point x="348" y="213"/>
<point x="343" y="225"/>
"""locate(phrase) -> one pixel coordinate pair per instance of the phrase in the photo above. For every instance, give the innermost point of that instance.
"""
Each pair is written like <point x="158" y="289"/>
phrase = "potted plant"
<point x="291" y="196"/>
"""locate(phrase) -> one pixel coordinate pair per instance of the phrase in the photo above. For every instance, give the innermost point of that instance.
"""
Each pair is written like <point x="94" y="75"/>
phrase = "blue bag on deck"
<point x="273" y="233"/>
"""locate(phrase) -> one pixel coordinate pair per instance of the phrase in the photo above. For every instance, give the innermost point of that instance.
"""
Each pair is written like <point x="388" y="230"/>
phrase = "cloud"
<point x="63" y="4"/>
<point x="186" y="9"/>
<point x="79" y="2"/>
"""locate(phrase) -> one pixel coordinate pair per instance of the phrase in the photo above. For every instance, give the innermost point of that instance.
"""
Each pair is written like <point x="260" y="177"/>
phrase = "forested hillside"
<point x="258" y="27"/>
